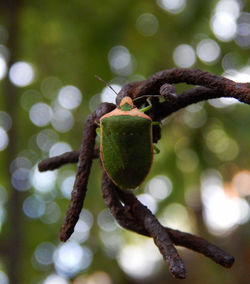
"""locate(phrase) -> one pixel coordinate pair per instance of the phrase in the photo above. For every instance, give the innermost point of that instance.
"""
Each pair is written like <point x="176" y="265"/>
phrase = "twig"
<point x="201" y="246"/>
<point x="81" y="180"/>
<point x="127" y="219"/>
<point x="184" y="99"/>
<point x="123" y="205"/>
<point x="158" y="84"/>
<point x="221" y="87"/>
<point x="122" y="214"/>
<point x="56" y="162"/>
<point x="83" y="171"/>
<point x="153" y="227"/>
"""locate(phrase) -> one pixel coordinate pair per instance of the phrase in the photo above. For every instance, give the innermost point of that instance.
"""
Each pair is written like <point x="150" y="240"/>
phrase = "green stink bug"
<point x="126" y="144"/>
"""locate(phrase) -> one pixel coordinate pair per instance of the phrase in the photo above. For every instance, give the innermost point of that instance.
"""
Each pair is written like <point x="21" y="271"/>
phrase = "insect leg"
<point x="156" y="123"/>
<point x="98" y="130"/>
<point x="147" y="107"/>
<point x="156" y="149"/>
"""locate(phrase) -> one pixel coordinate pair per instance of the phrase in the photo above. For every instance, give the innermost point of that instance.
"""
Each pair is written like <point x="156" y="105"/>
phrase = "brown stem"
<point x="81" y="180"/>
<point x="125" y="217"/>
<point x="151" y="225"/>
<point x="156" y="84"/>
<point x="133" y="215"/>
<point x="56" y="162"/>
<point x="83" y="171"/>
<point x="121" y="213"/>
<point x="201" y="246"/>
<point x="223" y="87"/>
<point x="158" y="233"/>
<point x="186" y="98"/>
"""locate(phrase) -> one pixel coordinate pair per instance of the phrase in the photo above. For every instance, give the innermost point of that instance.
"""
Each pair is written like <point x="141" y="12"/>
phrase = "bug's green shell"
<point x="126" y="147"/>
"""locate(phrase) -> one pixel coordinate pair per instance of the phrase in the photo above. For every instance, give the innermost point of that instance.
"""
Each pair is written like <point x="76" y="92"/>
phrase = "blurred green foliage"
<point x="67" y="43"/>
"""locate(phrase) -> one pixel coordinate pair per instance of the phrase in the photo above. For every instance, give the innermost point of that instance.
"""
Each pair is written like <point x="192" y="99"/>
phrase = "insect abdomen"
<point x="126" y="149"/>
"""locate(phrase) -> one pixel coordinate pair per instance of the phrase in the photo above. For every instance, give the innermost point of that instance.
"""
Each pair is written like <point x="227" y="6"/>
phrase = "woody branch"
<point x="213" y="87"/>
<point x="216" y="86"/>
<point x="83" y="170"/>
<point x="127" y="217"/>
<point x="133" y="215"/>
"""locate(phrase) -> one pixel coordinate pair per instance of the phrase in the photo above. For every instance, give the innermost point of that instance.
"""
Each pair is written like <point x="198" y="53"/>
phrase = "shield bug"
<point x="126" y="145"/>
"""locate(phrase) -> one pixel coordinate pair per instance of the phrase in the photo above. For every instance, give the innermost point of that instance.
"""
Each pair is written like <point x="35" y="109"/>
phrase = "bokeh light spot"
<point x="176" y="216"/>
<point x="120" y="60"/>
<point x="69" y="97"/>
<point x="242" y="75"/>
<point x="172" y="6"/>
<point x="83" y="226"/>
<point x="243" y="30"/>
<point x="40" y="114"/>
<point x="21" y="74"/>
<point x="241" y="182"/>
<point x="98" y="277"/>
<point x="20" y="179"/>
<point x="5" y="120"/>
<point x="224" y="26"/>
<point x="62" y="120"/>
<point x="147" y="24"/>
<point x="223" y="102"/>
<point x="139" y="260"/>
<point x="108" y="96"/>
<point x="3" y="67"/>
<point x="59" y="148"/>
<point x="222" y="212"/>
<point x="4" y="139"/>
<point x="149" y="201"/>
<point x="184" y="56"/>
<point x="20" y="162"/>
<point x="55" y="279"/>
<point x="67" y="186"/>
<point x="159" y="187"/>
<point x="33" y="206"/>
<point x="231" y="7"/>
<point x="43" y="182"/>
<point x="106" y="221"/>
<point x="208" y="50"/>
<point x="3" y="278"/>
<point x="46" y="138"/>
<point x="70" y="258"/>
<point x="44" y="253"/>
<point x="2" y="216"/>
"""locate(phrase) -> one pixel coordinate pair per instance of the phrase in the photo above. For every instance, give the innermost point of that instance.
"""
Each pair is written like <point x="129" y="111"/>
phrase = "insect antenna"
<point x="146" y="96"/>
<point x="100" y="79"/>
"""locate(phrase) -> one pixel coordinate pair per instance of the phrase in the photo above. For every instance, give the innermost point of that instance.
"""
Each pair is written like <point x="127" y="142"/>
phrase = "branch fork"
<point x="123" y="205"/>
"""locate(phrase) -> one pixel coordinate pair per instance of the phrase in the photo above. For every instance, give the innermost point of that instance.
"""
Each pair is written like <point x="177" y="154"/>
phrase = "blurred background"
<point x="199" y="183"/>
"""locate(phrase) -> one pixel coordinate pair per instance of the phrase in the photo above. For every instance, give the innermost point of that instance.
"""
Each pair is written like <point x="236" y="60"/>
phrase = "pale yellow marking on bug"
<point x="133" y="112"/>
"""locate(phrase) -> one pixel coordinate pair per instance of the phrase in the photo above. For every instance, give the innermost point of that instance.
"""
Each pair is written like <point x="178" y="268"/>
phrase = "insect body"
<point x="126" y="144"/>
